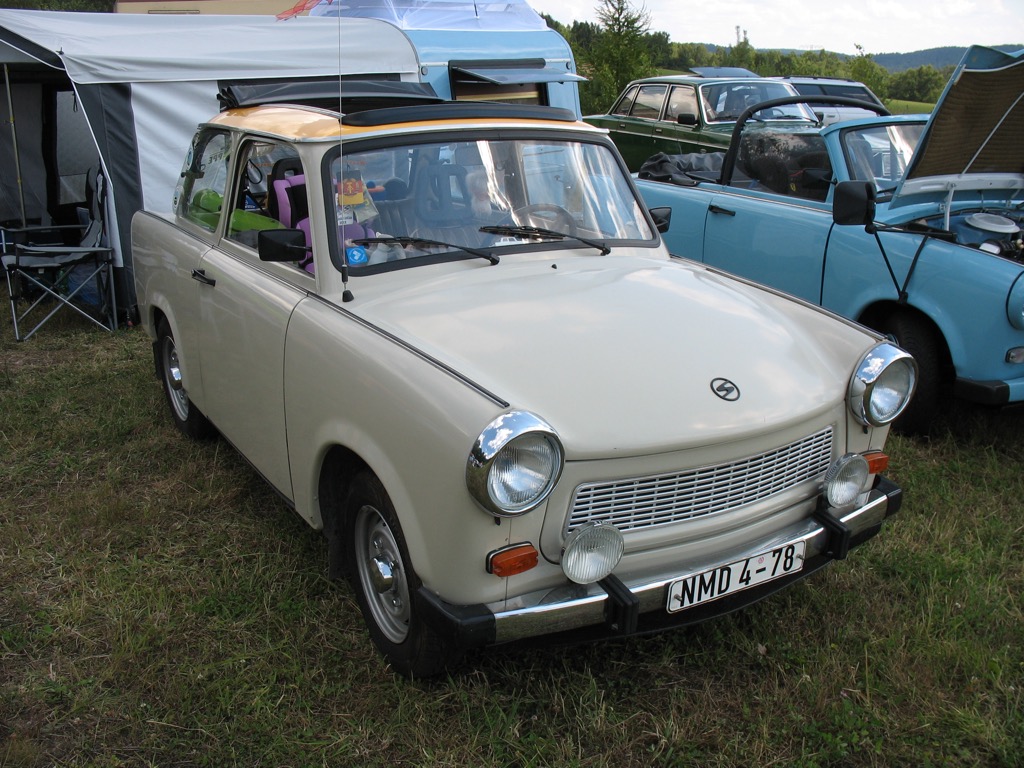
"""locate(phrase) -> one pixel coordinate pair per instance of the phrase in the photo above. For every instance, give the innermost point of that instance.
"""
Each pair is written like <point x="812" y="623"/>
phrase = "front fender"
<point x="411" y="423"/>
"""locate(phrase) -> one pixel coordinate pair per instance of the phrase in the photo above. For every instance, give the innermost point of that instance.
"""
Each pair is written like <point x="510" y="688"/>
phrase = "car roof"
<point x="301" y="123"/>
<point x="691" y="80"/>
<point x="817" y="79"/>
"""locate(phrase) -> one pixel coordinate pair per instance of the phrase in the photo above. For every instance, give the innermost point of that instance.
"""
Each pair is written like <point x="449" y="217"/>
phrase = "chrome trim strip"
<point x="575" y="606"/>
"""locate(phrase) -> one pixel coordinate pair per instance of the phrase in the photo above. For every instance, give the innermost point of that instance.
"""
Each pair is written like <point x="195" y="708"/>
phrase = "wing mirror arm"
<point x="853" y="204"/>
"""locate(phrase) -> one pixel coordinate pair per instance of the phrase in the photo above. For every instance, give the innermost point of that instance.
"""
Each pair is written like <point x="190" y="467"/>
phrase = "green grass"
<point x="160" y="606"/>
<point x="902" y="107"/>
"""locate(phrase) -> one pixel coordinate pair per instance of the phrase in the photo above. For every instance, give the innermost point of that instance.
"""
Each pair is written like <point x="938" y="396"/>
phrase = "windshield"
<point x="880" y="153"/>
<point x="415" y="202"/>
<point x="724" y="102"/>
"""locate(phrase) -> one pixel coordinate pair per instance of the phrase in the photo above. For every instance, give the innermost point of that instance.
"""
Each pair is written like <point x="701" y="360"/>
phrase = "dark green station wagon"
<point x="678" y="114"/>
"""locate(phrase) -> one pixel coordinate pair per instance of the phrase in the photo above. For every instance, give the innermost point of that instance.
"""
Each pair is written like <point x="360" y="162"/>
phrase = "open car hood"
<point x="973" y="141"/>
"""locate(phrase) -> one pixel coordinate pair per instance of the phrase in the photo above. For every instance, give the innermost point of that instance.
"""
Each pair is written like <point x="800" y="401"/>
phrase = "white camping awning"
<point x="119" y="48"/>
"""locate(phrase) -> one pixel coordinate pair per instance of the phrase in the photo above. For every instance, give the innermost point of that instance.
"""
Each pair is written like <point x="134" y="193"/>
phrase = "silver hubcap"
<point x="382" y="574"/>
<point x="172" y="375"/>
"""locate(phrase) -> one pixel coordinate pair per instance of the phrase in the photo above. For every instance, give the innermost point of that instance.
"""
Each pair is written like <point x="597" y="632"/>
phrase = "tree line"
<point x="621" y="47"/>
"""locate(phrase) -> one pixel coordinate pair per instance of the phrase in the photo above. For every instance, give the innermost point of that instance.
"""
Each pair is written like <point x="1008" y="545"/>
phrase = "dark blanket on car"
<point x="684" y="169"/>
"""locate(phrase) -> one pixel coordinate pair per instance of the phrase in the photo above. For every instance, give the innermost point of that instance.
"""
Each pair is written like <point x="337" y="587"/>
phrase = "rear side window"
<point x="649" y="101"/>
<point x="199" y="196"/>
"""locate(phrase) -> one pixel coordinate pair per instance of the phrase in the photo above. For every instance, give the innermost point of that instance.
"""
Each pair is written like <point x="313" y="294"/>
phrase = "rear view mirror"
<point x="662" y="218"/>
<point x="282" y="245"/>
<point x="854" y="203"/>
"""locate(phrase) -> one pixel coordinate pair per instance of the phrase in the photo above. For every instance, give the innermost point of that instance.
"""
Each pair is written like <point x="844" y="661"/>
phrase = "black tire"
<point x="385" y="584"/>
<point x="931" y="398"/>
<point x="186" y="416"/>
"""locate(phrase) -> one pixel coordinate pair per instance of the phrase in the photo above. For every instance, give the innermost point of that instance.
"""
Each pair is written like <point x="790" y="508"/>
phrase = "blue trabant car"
<point x="909" y="224"/>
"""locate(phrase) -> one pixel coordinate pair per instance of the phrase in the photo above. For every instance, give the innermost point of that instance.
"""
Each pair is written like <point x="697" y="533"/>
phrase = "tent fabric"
<point x="132" y="48"/>
<point x="145" y="82"/>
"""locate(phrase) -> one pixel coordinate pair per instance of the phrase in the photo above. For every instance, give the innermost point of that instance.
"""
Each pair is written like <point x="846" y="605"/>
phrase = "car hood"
<point x="974" y="137"/>
<point x="622" y="355"/>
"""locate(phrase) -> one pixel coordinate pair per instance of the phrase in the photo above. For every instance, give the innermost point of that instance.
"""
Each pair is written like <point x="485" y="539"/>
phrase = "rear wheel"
<point x="385" y="583"/>
<point x="186" y="416"/>
<point x="918" y="337"/>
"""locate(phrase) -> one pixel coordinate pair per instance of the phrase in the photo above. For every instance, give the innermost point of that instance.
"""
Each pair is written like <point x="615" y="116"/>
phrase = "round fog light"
<point x="591" y="552"/>
<point x="845" y="480"/>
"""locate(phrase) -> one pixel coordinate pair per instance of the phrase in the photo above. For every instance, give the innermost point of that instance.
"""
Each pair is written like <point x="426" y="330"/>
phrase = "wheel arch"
<point x="880" y="313"/>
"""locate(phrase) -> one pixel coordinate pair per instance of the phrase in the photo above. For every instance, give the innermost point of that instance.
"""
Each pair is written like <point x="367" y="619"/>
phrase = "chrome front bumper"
<point x="613" y="608"/>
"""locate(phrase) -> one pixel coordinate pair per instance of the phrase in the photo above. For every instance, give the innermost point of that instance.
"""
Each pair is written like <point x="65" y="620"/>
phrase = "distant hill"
<point x="948" y="56"/>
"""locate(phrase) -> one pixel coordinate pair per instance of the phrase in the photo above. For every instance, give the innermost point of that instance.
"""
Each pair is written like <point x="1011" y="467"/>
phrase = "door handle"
<point x="719" y="209"/>
<point x="200" y="275"/>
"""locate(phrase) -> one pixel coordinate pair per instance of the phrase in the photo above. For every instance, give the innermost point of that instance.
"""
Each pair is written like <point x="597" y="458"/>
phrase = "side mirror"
<point x="662" y="218"/>
<point x="686" y="118"/>
<point x="281" y="245"/>
<point x="854" y="203"/>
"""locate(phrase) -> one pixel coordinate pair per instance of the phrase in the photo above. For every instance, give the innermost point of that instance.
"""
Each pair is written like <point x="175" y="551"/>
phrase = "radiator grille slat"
<point x="670" y="498"/>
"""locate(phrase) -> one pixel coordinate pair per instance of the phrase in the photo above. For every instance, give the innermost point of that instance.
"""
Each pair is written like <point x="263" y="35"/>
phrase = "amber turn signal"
<point x="877" y="462"/>
<point x="509" y="561"/>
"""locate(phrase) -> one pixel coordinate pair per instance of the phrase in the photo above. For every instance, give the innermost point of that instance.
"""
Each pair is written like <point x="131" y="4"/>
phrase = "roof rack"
<point x="458" y="110"/>
<point x="346" y="95"/>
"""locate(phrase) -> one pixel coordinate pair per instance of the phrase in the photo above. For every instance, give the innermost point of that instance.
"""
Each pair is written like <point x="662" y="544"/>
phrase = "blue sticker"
<point x="356" y="254"/>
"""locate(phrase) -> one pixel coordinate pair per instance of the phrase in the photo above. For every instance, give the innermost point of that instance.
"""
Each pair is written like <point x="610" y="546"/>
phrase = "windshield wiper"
<point x="404" y="241"/>
<point x="539" y="233"/>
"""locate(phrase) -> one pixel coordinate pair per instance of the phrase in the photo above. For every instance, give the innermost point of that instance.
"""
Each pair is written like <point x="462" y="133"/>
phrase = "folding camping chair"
<point x="45" y="273"/>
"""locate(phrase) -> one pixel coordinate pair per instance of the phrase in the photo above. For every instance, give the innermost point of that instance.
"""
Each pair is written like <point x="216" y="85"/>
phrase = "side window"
<point x="649" y="101"/>
<point x="251" y="212"/>
<point x="681" y="100"/>
<point x="625" y="104"/>
<point x="199" y="196"/>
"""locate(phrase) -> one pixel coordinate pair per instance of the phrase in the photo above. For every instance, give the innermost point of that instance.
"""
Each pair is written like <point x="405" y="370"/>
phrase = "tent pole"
<point x="14" y="142"/>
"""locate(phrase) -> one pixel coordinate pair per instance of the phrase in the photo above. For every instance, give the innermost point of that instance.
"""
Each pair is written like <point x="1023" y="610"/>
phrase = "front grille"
<point x="641" y="502"/>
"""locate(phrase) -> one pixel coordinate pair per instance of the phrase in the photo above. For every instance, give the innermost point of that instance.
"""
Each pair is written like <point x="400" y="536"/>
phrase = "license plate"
<point x="723" y="580"/>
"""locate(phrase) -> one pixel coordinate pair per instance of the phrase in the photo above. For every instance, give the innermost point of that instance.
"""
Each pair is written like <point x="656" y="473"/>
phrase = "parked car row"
<point x="908" y="224"/>
<point x="451" y="338"/>
<point x="682" y="114"/>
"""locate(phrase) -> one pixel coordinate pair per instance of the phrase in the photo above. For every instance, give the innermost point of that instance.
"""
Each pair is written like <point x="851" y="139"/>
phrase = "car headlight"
<point x="845" y="480"/>
<point x="514" y="464"/>
<point x="882" y="385"/>
<point x="591" y="552"/>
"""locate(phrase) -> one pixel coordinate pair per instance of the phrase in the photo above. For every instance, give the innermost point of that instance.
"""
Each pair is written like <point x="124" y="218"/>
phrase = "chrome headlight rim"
<point x="876" y="367"/>
<point x="497" y="438"/>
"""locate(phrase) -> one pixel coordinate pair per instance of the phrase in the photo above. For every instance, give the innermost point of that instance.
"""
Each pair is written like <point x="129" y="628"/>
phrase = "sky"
<point x="878" y="26"/>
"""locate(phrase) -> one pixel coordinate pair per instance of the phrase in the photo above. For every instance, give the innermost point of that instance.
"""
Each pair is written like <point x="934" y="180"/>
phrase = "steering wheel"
<point x="544" y="216"/>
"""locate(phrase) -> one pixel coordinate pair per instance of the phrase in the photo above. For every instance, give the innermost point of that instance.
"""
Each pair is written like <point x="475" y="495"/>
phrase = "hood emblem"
<point x="725" y="389"/>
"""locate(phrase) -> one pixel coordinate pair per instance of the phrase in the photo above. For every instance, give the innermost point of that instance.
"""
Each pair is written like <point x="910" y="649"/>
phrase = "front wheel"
<point x="920" y="339"/>
<point x="187" y="417"/>
<point x="385" y="584"/>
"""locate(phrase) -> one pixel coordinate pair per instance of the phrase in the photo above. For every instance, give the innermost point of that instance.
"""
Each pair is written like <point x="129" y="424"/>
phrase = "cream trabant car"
<point x="450" y="337"/>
